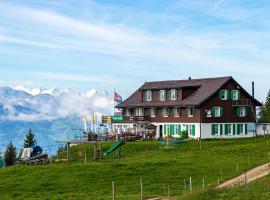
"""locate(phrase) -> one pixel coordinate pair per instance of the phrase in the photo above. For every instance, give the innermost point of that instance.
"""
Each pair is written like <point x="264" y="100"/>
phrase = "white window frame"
<point x="162" y="94"/>
<point x="242" y="112"/>
<point x="231" y="129"/>
<point x="235" y="95"/>
<point x="139" y="112"/>
<point x="217" y="111"/>
<point x="225" y="95"/>
<point x="190" y="111"/>
<point x="166" y="114"/>
<point x="128" y="112"/>
<point x="148" y="95"/>
<point x="218" y="129"/>
<point x="152" y="112"/>
<point x="176" y="114"/>
<point x="243" y="129"/>
<point x="173" y="94"/>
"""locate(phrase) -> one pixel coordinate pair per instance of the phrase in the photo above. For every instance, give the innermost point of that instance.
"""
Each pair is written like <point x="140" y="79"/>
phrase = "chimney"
<point x="189" y="78"/>
<point x="253" y="93"/>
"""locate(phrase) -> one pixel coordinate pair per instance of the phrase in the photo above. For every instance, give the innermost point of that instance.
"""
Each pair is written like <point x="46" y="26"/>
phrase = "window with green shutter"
<point x="238" y="129"/>
<point x="238" y="111"/>
<point x="221" y="129"/>
<point x="193" y="130"/>
<point x="171" y="129"/>
<point x="173" y="112"/>
<point x="221" y="111"/>
<point x="226" y="129"/>
<point x="234" y="127"/>
<point x="246" y="129"/>
<point x="159" y="95"/>
<point x="223" y="94"/>
<point x="144" y="95"/>
<point x="213" y="129"/>
<point x="165" y="129"/>
<point x="179" y="129"/>
<point x="179" y="111"/>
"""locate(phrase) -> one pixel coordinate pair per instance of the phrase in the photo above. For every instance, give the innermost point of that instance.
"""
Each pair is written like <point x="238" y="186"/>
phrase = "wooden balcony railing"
<point x="129" y="118"/>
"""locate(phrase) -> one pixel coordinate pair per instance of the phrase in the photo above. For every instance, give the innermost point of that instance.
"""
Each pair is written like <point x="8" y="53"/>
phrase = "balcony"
<point x="130" y="119"/>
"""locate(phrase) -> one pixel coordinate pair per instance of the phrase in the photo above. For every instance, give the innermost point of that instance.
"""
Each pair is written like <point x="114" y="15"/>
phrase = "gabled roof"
<point x="205" y="89"/>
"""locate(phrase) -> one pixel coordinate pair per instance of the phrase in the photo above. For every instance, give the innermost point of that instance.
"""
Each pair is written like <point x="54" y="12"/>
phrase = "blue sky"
<point x="120" y="44"/>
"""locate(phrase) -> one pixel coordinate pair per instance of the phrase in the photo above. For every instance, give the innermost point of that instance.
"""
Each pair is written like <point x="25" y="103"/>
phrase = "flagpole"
<point x="113" y="101"/>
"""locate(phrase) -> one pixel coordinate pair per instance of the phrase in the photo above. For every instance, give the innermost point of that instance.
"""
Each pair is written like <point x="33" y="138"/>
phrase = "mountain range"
<point x="50" y="113"/>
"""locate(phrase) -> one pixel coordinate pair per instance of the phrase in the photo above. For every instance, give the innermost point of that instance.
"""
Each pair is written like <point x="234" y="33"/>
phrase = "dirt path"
<point x="249" y="176"/>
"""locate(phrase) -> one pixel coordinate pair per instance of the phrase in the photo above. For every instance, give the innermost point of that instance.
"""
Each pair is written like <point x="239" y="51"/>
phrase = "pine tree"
<point x="29" y="140"/>
<point x="10" y="155"/>
<point x="265" y="110"/>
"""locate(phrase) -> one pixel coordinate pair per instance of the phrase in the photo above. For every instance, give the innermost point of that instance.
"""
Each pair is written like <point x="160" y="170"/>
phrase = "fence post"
<point x="113" y="191"/>
<point x="168" y="192"/>
<point x="185" y="185"/>
<point x="190" y="184"/>
<point x="245" y="177"/>
<point x="141" y="188"/>
<point x="203" y="183"/>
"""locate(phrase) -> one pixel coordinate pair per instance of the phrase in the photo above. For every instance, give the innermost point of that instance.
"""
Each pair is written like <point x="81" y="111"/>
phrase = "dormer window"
<point x="173" y="94"/>
<point x="162" y="95"/>
<point x="148" y="95"/>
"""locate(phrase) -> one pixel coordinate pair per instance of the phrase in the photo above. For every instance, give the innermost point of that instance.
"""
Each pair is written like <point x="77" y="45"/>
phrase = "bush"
<point x="184" y="135"/>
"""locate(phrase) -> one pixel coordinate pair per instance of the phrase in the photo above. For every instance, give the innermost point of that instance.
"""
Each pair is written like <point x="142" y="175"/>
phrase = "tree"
<point x="264" y="112"/>
<point x="29" y="140"/>
<point x="10" y="155"/>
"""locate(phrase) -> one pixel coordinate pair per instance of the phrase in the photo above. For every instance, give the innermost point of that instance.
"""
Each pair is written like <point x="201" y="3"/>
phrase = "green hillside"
<point x="158" y="168"/>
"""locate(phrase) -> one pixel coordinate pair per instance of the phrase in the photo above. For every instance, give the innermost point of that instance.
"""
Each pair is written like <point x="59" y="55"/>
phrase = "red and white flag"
<point x="117" y="97"/>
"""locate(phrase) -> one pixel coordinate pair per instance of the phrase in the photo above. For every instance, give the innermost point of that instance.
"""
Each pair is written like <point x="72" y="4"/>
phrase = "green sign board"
<point x="117" y="118"/>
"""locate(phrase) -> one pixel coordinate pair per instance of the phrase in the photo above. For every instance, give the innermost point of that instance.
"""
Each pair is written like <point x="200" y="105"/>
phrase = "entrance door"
<point x="160" y="131"/>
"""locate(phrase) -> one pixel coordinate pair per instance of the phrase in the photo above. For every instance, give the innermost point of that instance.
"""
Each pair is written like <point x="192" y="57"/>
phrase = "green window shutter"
<point x="173" y="112"/>
<point x="238" y="129"/>
<point x="194" y="111"/>
<point x="187" y="129"/>
<point x="165" y="129"/>
<point x="193" y="130"/>
<point x="155" y="111"/>
<point x="238" y="94"/>
<point x="229" y="94"/>
<point x="171" y="129"/>
<point x="246" y="131"/>
<point x="165" y="95"/>
<point x="187" y="112"/>
<point x="226" y="129"/>
<point x="176" y="94"/>
<point x="213" y="129"/>
<point x="220" y="94"/>
<point x="246" y="111"/>
<point x="221" y="129"/>
<point x="159" y="95"/>
<point x="179" y="129"/>
<point x="162" y="111"/>
<point x="179" y="111"/>
<point x="234" y="128"/>
<point x="144" y="95"/>
<point x="238" y="111"/>
<point x="221" y="111"/>
<point x="169" y="94"/>
<point x="213" y="112"/>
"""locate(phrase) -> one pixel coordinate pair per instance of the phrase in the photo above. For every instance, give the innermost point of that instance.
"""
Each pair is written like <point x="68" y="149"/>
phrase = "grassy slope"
<point x="256" y="190"/>
<point x="157" y="167"/>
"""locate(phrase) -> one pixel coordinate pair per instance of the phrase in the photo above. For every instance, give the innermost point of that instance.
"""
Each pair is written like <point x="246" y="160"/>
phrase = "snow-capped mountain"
<point x="51" y="113"/>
